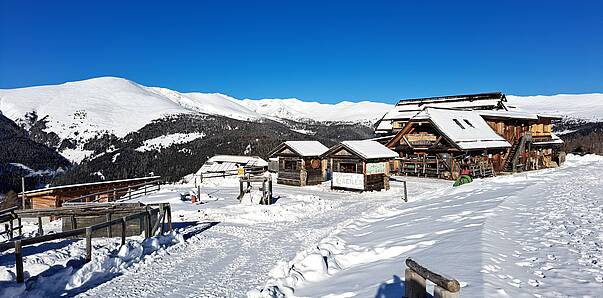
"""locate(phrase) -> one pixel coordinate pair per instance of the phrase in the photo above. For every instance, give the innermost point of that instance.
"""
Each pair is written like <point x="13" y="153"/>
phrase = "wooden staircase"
<point x="513" y="154"/>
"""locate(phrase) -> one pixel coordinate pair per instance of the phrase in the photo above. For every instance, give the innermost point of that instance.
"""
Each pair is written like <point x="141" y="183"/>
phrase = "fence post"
<point x="19" y="261"/>
<point x="23" y="192"/>
<point x="240" y="189"/>
<point x="109" y="232"/>
<point x="162" y="216"/>
<point x="20" y="226"/>
<point x="40" y="229"/>
<point x="10" y="236"/>
<point x="88" y="244"/>
<point x="73" y="223"/>
<point x="123" y="231"/>
<point x="414" y="284"/>
<point x="129" y="193"/>
<point x="169" y="217"/>
<point x="145" y="189"/>
<point x="147" y="226"/>
<point x="114" y="194"/>
<point x="405" y="192"/>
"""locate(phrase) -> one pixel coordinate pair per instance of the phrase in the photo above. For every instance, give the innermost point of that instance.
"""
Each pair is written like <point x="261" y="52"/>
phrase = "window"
<point x="290" y="165"/>
<point x="458" y="123"/>
<point x="467" y="121"/>
<point x="347" y="167"/>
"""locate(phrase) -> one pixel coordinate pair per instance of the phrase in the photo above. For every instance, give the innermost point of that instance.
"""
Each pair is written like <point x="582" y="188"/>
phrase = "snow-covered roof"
<point x="554" y="140"/>
<point x="306" y="148"/>
<point x="467" y="129"/>
<point x="508" y="114"/>
<point x="255" y="160"/>
<point x="230" y="163"/>
<point x="369" y="149"/>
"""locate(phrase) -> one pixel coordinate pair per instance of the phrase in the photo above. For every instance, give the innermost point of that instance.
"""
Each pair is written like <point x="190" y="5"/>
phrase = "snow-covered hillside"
<point x="588" y="107"/>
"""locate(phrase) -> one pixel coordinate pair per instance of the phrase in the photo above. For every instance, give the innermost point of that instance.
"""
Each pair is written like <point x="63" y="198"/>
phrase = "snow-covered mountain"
<point x="80" y="110"/>
<point x="587" y="107"/>
<point x="293" y="108"/>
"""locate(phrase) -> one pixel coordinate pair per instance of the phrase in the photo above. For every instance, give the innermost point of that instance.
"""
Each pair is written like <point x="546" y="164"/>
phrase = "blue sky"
<point x="312" y="50"/>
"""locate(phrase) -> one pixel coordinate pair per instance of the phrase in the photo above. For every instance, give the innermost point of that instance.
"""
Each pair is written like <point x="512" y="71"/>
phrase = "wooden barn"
<point x="54" y="197"/>
<point x="442" y="142"/>
<point x="360" y="165"/>
<point x="299" y="162"/>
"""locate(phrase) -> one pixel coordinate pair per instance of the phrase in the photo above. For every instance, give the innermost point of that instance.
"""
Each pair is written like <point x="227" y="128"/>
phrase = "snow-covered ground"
<point x="530" y="234"/>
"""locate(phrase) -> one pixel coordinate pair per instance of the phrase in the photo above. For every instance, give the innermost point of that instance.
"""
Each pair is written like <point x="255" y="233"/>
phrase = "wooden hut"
<point x="440" y="142"/>
<point x="54" y="197"/>
<point x="299" y="162"/>
<point x="360" y="165"/>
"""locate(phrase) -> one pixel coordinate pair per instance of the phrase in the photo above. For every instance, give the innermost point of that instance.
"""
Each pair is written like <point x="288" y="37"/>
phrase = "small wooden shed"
<point x="360" y="165"/>
<point x="299" y="162"/>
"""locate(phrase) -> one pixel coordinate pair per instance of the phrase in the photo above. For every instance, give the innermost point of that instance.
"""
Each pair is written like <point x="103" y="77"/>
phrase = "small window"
<point x="469" y="123"/>
<point x="458" y="123"/>
<point x="346" y="167"/>
<point x="290" y="165"/>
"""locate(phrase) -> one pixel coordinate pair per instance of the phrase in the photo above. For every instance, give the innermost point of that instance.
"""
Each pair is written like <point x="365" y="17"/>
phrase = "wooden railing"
<point x="415" y="287"/>
<point x="117" y="194"/>
<point x="7" y="217"/>
<point x="164" y="211"/>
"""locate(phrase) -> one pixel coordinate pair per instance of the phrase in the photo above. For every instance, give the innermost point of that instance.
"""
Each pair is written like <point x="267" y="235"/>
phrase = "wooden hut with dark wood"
<point x="299" y="162"/>
<point x="360" y="165"/>
<point x="441" y="142"/>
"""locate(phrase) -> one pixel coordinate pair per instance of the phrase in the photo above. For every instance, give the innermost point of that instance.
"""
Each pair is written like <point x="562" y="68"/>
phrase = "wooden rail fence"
<point x="163" y="211"/>
<point x="8" y="217"/>
<point x="117" y="194"/>
<point x="414" y="282"/>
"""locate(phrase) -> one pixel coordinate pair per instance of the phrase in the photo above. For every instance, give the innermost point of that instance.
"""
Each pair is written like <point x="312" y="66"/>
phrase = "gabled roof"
<point x="366" y="149"/>
<point x="466" y="130"/>
<point x="408" y="108"/>
<point x="302" y="148"/>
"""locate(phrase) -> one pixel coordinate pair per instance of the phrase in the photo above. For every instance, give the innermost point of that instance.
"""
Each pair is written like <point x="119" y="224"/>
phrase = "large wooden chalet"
<point x="444" y="136"/>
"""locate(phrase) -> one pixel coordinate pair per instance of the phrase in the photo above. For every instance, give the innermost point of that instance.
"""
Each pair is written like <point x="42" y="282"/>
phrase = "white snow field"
<point x="536" y="234"/>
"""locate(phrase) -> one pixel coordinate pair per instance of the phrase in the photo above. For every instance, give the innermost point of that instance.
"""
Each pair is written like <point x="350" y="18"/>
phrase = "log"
<point x="450" y="285"/>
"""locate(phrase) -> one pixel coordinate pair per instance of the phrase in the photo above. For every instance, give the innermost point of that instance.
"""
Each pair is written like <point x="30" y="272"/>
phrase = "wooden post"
<point x="169" y="217"/>
<point x="414" y="284"/>
<point x="269" y="189"/>
<point x="145" y="189"/>
<point x="88" y="244"/>
<point x="114" y="194"/>
<point x="19" y="261"/>
<point x="240" y="188"/>
<point x="147" y="226"/>
<point x="123" y="231"/>
<point x="11" y="225"/>
<point x="6" y="228"/>
<point x="40" y="229"/>
<point x="20" y="226"/>
<point x="162" y="216"/>
<point x="73" y="223"/>
<point x="405" y="192"/>
<point x="23" y="192"/>
<point x="129" y="193"/>
<point x="439" y="292"/>
<point x="109" y="232"/>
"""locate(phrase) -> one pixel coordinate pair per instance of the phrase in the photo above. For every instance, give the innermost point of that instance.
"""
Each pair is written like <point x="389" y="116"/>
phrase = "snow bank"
<point x="525" y="235"/>
<point x="61" y="271"/>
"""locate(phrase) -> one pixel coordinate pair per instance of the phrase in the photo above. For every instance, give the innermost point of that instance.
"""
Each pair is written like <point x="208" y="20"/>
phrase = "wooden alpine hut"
<point x="441" y="143"/>
<point x="299" y="162"/>
<point x="360" y="165"/>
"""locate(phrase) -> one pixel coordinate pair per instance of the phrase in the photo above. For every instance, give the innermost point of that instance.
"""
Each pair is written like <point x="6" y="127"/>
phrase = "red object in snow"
<point x="193" y="199"/>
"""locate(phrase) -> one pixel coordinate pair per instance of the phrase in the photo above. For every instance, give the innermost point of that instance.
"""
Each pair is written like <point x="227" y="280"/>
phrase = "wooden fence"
<point x="163" y="211"/>
<point x="118" y="194"/>
<point x="414" y="282"/>
<point x="8" y="217"/>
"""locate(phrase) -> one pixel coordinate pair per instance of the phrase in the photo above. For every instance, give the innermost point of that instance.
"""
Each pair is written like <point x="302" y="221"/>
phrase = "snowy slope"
<point x="588" y="107"/>
<point x="80" y="109"/>
<point x="293" y="108"/>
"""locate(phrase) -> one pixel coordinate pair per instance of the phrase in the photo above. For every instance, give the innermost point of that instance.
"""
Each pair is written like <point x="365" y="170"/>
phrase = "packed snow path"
<point x="535" y="234"/>
<point x="236" y="254"/>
